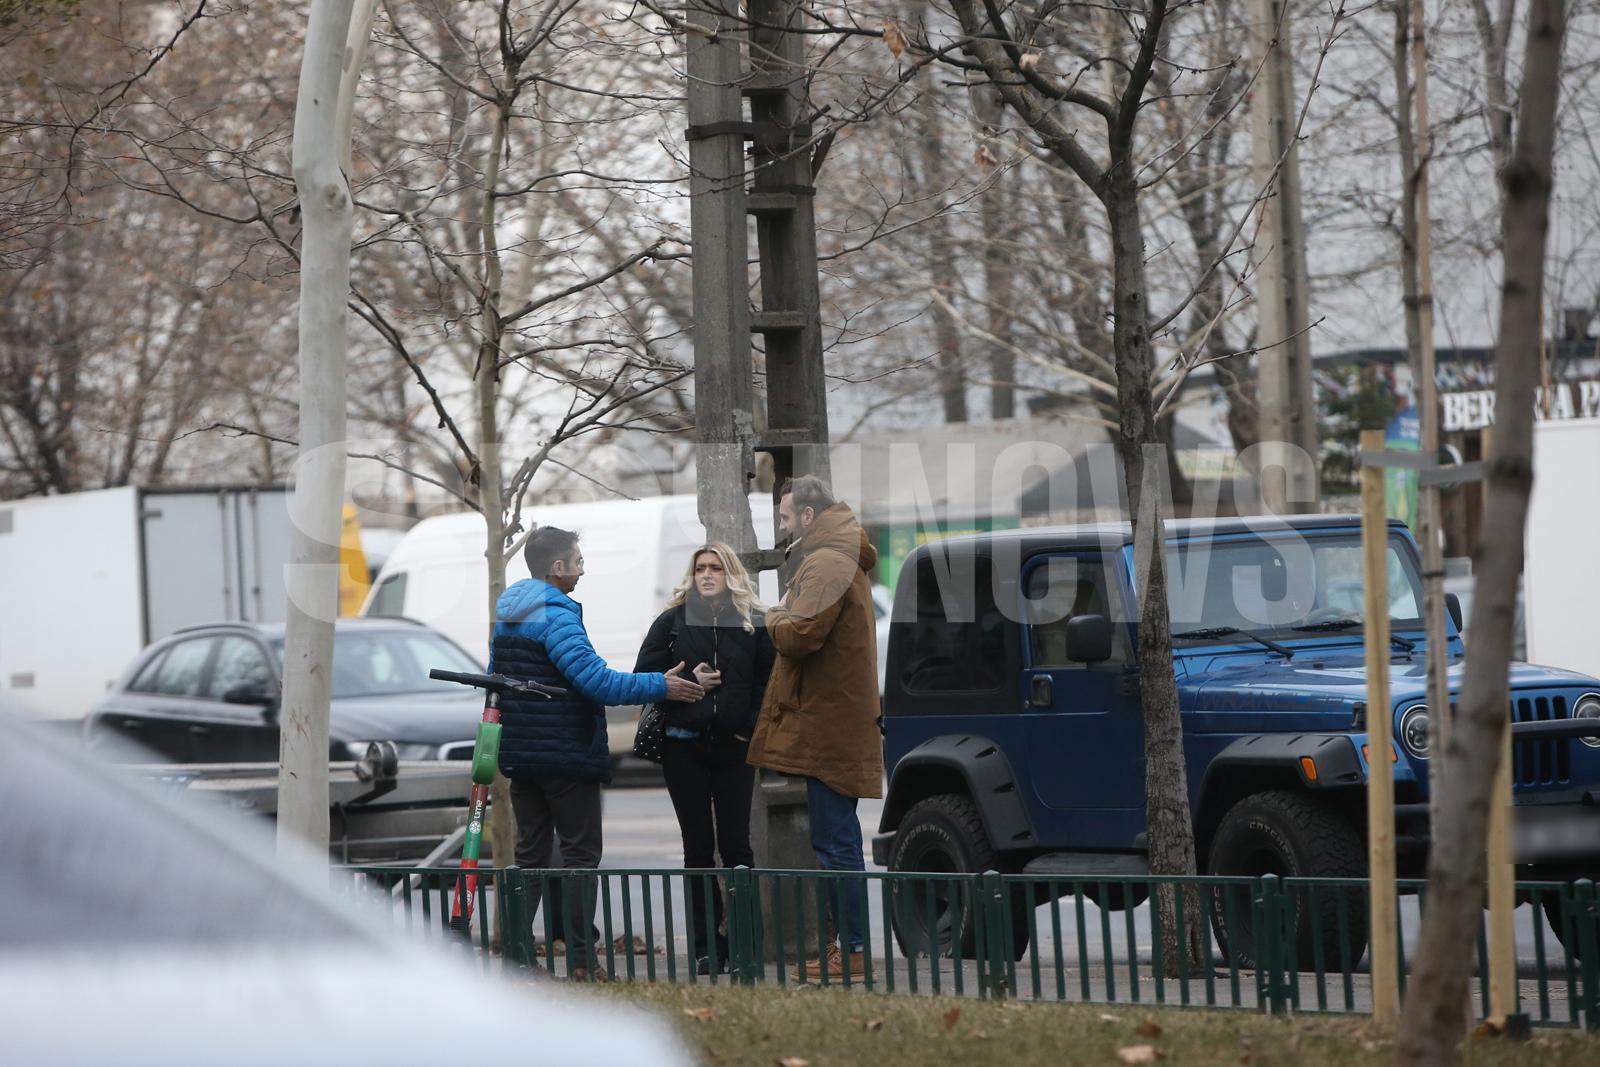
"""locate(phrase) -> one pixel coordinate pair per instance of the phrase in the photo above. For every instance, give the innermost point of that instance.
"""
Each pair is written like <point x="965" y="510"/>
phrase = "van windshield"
<point x="1283" y="586"/>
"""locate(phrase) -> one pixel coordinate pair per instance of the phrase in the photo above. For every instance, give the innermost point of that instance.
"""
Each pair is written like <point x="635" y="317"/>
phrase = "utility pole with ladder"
<point x="758" y="166"/>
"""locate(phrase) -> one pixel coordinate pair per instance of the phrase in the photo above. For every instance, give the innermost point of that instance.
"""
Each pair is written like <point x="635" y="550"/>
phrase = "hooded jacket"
<point x="539" y="634"/>
<point x="820" y="715"/>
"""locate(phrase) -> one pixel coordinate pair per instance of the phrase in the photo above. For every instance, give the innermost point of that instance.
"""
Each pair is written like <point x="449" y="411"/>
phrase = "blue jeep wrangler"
<point x="1015" y="742"/>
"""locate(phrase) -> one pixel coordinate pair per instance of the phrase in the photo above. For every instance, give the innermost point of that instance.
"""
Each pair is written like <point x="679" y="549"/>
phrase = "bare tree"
<point x="1432" y="1027"/>
<point x="321" y="142"/>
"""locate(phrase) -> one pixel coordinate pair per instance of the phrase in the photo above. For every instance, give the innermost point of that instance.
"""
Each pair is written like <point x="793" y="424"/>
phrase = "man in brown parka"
<point x="819" y="720"/>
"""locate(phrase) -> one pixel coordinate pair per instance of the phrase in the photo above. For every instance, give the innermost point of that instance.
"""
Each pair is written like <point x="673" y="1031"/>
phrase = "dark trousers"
<point x="836" y="839"/>
<point x="568" y="812"/>
<point x="710" y="786"/>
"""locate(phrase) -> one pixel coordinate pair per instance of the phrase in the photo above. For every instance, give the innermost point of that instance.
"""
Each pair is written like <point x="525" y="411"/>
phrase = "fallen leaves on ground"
<point x="951" y="1017"/>
<point x="1148" y="1028"/>
<point x="703" y="1014"/>
<point x="1139" y="1054"/>
<point x="793" y="1061"/>
<point x="874" y="1025"/>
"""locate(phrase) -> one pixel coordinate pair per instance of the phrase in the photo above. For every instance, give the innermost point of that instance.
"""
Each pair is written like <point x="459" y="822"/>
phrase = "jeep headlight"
<point x="1588" y="707"/>
<point x="1414" y="730"/>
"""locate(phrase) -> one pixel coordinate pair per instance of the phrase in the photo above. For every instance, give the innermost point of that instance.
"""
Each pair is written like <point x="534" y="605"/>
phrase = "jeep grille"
<point x="1536" y="763"/>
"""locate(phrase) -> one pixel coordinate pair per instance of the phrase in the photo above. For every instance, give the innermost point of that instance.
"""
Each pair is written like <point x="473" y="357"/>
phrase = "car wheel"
<point x="944" y="835"/>
<point x="1291" y="835"/>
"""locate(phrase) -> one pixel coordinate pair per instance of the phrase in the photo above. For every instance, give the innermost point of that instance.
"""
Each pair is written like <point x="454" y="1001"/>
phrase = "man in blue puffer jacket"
<point x="555" y="751"/>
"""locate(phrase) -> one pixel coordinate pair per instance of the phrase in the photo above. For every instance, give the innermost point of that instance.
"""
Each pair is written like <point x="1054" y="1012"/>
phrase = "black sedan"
<point x="209" y="694"/>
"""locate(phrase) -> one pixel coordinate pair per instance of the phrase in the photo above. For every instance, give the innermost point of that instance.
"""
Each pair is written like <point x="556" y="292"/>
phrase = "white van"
<point x="635" y="552"/>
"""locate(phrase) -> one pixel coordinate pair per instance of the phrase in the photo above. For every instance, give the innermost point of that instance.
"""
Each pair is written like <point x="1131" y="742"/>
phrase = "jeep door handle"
<point x="1041" y="691"/>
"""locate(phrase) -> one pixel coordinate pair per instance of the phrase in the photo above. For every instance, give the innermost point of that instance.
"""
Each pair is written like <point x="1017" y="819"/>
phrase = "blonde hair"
<point x="740" y="589"/>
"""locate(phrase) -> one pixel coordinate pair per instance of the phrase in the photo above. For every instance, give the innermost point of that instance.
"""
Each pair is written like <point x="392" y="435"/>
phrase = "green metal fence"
<point x="1269" y="944"/>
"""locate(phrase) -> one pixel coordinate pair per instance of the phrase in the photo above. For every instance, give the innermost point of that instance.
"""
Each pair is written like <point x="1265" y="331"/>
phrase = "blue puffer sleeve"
<point x="567" y="644"/>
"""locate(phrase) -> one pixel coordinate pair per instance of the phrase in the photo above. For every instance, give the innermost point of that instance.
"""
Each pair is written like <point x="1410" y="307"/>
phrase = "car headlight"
<point x="1588" y="707"/>
<point x="1414" y="730"/>
<point x="403" y="749"/>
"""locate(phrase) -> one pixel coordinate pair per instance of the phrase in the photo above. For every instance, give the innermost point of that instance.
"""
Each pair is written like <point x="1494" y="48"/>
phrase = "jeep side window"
<point x="1059" y="589"/>
<point x="957" y="643"/>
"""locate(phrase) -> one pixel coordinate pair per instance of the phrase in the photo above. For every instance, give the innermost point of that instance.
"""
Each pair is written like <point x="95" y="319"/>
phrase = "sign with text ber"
<point x="1475" y="410"/>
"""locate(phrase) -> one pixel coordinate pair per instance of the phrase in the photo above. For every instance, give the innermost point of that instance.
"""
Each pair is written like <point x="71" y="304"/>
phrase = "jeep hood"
<point x="1323" y="680"/>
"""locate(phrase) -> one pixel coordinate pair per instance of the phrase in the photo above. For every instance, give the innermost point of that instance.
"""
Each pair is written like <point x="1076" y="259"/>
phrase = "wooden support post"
<point x="786" y="239"/>
<point x="1502" y="894"/>
<point x="1380" y="742"/>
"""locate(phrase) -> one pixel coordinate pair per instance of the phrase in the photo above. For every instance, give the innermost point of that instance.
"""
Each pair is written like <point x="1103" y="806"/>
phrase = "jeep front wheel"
<point x="1291" y="835"/>
<point x="944" y="835"/>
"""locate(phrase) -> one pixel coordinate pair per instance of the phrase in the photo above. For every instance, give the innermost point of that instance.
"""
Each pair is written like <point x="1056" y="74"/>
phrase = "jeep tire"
<point x="1290" y="835"/>
<point x="944" y="834"/>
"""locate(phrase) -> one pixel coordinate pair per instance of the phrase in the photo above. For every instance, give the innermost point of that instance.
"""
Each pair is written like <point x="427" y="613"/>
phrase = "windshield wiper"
<point x="1229" y="631"/>
<point x="1405" y="644"/>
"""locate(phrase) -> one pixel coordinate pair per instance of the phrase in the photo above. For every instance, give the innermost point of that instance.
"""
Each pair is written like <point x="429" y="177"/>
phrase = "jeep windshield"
<point x="1283" y="586"/>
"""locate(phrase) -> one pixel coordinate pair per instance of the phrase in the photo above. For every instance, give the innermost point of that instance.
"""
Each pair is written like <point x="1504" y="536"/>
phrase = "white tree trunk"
<point x="326" y="219"/>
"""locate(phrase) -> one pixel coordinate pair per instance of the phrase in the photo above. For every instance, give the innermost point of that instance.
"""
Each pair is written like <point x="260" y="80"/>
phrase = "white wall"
<point x="1561" y="577"/>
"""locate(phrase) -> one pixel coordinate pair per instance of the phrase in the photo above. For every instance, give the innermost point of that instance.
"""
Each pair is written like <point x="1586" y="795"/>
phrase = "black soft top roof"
<point x="1031" y="539"/>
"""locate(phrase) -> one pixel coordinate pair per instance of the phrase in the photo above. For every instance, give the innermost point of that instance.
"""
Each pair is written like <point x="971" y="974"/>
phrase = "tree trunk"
<point x="1407" y="144"/>
<point x="999" y="283"/>
<point x="942" y="262"/>
<point x="327" y="219"/>
<point x="491" y="485"/>
<point x="1166" y="787"/>
<point x="1432" y="1028"/>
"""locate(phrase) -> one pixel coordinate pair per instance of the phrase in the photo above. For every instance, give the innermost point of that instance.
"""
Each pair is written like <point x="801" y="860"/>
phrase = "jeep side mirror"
<point x="1088" y="639"/>
<point x="1452" y="604"/>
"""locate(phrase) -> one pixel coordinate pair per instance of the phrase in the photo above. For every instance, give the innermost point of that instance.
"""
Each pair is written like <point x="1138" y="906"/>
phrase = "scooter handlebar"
<point x="498" y="683"/>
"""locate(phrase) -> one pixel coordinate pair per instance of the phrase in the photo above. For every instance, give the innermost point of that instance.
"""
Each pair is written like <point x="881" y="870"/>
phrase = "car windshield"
<point x="386" y="662"/>
<point x="1283" y="586"/>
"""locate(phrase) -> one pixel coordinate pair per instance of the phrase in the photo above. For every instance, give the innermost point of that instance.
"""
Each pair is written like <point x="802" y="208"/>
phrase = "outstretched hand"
<point x="683" y="690"/>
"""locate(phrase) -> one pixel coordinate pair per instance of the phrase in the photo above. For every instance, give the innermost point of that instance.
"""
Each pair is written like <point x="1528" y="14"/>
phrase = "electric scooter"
<point x="485" y="761"/>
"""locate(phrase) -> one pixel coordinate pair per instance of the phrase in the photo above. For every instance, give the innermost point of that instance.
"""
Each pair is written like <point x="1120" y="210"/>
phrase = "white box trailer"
<point x="1561" y="575"/>
<point x="88" y="579"/>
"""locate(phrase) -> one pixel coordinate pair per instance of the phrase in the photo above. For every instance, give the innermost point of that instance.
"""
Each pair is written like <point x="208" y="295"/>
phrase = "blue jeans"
<point x="836" y="839"/>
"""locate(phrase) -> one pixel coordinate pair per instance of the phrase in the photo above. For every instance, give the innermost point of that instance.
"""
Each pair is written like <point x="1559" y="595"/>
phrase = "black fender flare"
<point x="1259" y="761"/>
<point x="977" y="763"/>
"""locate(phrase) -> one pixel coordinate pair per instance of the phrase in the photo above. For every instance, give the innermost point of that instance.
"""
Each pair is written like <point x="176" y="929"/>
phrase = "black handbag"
<point x="651" y="737"/>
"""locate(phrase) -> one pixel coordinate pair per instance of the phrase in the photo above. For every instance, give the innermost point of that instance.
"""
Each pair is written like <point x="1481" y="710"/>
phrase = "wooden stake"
<point x="1380" y="741"/>
<point x="1502" y="894"/>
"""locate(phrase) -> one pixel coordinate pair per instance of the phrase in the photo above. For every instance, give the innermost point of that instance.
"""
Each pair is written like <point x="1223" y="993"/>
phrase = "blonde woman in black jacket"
<point x="713" y="622"/>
